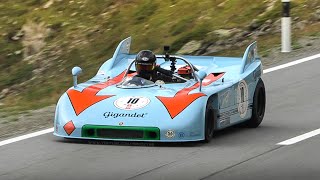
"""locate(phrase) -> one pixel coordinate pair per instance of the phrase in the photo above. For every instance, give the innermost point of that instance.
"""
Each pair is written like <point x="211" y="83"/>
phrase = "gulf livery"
<point x="207" y="94"/>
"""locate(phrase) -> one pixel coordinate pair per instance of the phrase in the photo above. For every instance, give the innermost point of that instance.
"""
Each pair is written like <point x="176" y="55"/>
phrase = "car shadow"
<point x="129" y="143"/>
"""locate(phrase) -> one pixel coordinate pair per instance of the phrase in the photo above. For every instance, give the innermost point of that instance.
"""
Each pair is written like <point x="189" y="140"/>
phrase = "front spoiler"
<point x="127" y="140"/>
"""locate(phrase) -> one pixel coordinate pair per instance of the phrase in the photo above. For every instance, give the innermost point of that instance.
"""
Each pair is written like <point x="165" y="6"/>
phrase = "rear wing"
<point x="122" y="51"/>
<point x="250" y="55"/>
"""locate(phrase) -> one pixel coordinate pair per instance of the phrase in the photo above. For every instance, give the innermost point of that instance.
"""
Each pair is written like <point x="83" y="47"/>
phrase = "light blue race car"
<point x="206" y="94"/>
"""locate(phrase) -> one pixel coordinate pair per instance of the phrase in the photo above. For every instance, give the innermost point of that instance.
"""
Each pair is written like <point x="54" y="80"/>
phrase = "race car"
<point x="206" y="94"/>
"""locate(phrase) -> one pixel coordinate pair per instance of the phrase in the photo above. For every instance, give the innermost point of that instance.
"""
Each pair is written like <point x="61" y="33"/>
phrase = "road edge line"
<point x="299" y="61"/>
<point x="300" y="138"/>
<point x="27" y="136"/>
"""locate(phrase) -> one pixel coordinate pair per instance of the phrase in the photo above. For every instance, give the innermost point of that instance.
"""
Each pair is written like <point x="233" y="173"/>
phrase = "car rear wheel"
<point x="259" y="106"/>
<point x="209" y="120"/>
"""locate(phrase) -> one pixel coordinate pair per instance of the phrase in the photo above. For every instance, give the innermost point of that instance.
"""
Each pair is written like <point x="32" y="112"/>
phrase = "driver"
<point x="146" y="67"/>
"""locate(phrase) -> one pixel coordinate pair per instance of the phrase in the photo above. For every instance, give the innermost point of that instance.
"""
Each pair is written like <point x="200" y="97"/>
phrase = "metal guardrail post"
<point x="286" y="27"/>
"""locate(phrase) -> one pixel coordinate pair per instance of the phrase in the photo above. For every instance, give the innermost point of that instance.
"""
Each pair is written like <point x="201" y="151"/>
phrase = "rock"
<point x="277" y="25"/>
<point x="301" y="25"/>
<point x="266" y="28"/>
<point x="48" y="4"/>
<point x="270" y="6"/>
<point x="269" y="21"/>
<point x="221" y="5"/>
<point x="18" y="36"/>
<point x="190" y="47"/>
<point x="261" y="33"/>
<point x="203" y="49"/>
<point x="316" y="15"/>
<point x="223" y="33"/>
<point x="309" y="44"/>
<point x="18" y="52"/>
<point x="296" y="18"/>
<point x="214" y="49"/>
<point x="254" y="25"/>
<point x="73" y="14"/>
<point x="65" y="24"/>
<point x="241" y="35"/>
<point x="34" y="38"/>
<point x="220" y="42"/>
<point x="4" y="93"/>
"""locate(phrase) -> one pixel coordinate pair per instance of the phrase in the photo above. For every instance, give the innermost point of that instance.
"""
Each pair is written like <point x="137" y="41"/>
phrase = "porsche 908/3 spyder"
<point x="206" y="94"/>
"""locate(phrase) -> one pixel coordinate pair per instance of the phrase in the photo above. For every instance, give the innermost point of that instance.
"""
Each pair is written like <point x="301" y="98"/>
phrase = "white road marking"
<point x="27" y="136"/>
<point x="292" y="63"/>
<point x="300" y="138"/>
<point x="46" y="131"/>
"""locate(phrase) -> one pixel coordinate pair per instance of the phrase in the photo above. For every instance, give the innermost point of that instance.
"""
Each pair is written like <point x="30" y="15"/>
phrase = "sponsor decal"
<point x="242" y="98"/>
<point x="145" y="59"/>
<point x="181" y="135"/>
<point x="131" y="102"/>
<point x="170" y="133"/>
<point x="116" y="115"/>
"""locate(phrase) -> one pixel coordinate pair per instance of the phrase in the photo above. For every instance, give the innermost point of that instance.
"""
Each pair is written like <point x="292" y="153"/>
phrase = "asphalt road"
<point x="293" y="101"/>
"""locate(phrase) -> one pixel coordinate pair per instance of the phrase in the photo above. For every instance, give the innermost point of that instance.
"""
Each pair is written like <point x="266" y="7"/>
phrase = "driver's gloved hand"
<point x="164" y="71"/>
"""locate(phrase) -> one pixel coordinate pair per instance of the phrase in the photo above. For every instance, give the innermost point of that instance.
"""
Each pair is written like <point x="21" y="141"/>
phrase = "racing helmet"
<point x="145" y="63"/>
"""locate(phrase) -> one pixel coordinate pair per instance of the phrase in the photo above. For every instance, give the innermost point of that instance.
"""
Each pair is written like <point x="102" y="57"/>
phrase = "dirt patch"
<point x="25" y="122"/>
<point x="34" y="37"/>
<point x="304" y="47"/>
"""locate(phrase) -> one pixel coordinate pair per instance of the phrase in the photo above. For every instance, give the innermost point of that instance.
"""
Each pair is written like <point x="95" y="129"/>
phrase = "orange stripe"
<point x="182" y="99"/>
<point x="176" y="104"/>
<point x="88" y="97"/>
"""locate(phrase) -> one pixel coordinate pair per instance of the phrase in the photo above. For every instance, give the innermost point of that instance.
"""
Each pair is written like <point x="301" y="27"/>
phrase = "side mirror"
<point x="201" y="75"/>
<point x="76" y="71"/>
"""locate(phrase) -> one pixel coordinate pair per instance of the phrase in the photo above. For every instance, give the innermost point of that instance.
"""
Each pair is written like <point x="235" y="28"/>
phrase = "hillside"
<point x="41" y="40"/>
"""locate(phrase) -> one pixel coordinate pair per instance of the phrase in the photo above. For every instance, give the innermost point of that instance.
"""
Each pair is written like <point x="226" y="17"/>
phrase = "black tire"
<point x="209" y="120"/>
<point x="259" y="106"/>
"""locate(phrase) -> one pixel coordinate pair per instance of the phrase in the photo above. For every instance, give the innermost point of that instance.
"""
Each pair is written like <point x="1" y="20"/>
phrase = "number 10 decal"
<point x="131" y="102"/>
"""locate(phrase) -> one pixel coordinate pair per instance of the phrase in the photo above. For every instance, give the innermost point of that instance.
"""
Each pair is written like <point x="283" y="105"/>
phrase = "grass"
<point x="87" y="32"/>
<point x="296" y="46"/>
<point x="144" y="11"/>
